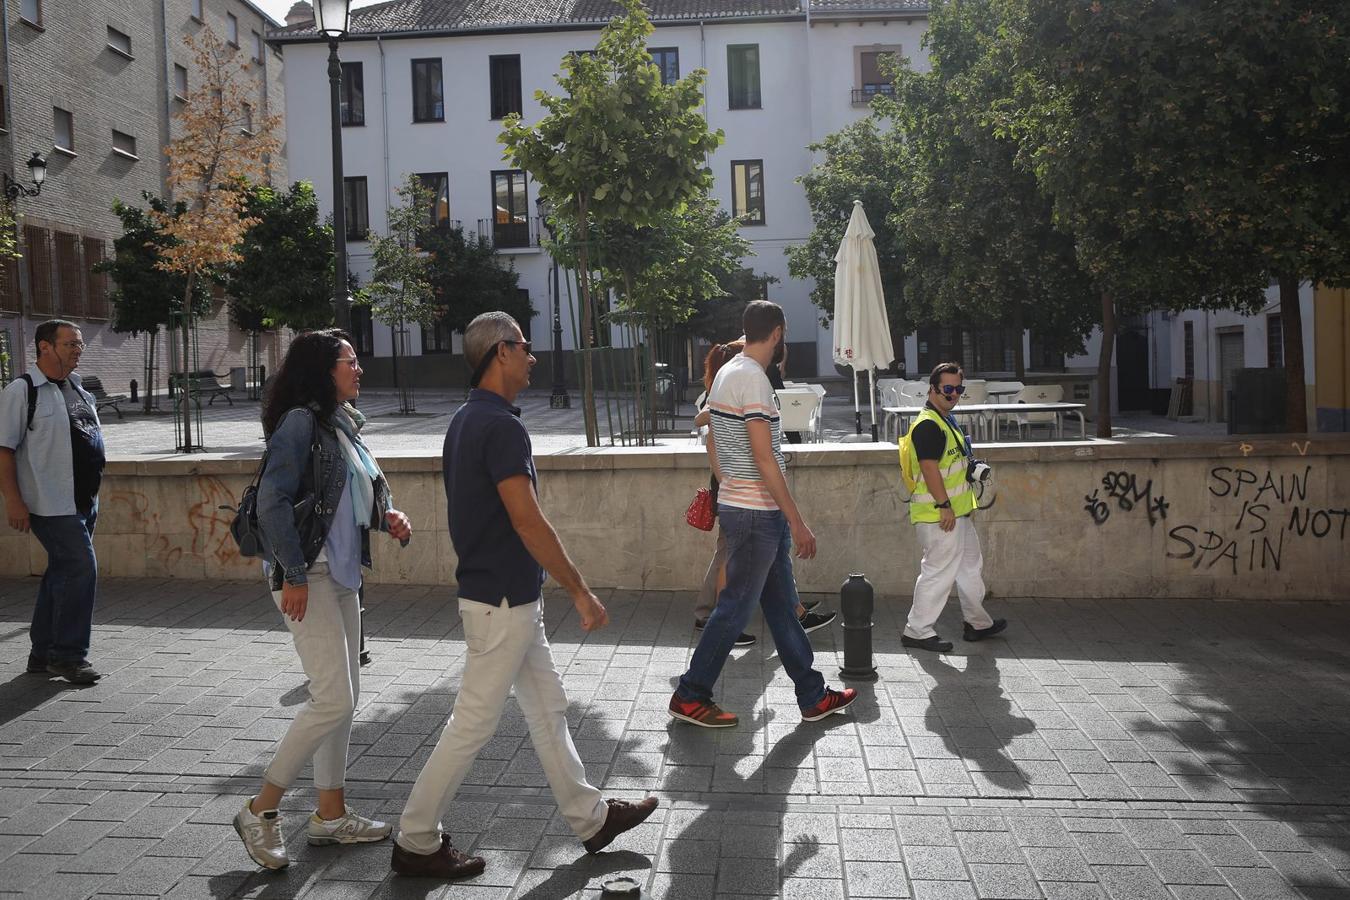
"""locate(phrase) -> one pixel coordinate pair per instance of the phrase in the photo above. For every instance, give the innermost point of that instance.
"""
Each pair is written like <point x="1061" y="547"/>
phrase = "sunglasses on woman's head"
<point x="957" y="389"/>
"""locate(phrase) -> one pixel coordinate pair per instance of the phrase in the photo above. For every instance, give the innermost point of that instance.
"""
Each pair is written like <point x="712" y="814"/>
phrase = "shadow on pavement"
<point x="24" y="693"/>
<point x="969" y="711"/>
<point x="586" y="873"/>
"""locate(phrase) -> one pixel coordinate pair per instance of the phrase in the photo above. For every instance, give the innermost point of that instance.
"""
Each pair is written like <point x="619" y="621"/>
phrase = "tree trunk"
<point x="398" y="385"/>
<point x="1104" y="366"/>
<point x="587" y="368"/>
<point x="187" y="387"/>
<point x="1291" y="324"/>
<point x="1019" y="356"/>
<point x="152" y="338"/>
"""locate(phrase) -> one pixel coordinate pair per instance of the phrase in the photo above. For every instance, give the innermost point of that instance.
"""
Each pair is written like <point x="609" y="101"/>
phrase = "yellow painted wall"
<point x="1331" y="336"/>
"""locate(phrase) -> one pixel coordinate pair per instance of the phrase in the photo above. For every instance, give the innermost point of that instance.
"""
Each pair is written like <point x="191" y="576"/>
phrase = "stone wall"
<point x="1256" y="519"/>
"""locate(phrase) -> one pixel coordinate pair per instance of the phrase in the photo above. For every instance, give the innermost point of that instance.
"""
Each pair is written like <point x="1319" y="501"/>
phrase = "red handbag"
<point x="700" y="511"/>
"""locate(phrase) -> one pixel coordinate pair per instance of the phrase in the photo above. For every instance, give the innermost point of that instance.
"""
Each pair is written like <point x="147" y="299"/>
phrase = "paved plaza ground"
<point x="236" y="429"/>
<point x="1123" y="749"/>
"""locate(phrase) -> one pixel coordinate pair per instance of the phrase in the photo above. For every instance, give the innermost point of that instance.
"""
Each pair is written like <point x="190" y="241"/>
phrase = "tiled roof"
<point x="403" y="16"/>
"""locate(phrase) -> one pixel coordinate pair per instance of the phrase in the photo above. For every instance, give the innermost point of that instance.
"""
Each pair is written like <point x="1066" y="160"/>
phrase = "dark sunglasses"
<point x="957" y="389"/>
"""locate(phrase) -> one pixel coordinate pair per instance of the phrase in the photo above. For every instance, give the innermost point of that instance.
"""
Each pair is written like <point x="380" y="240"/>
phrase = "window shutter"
<point x="96" y="283"/>
<point x="38" y="254"/>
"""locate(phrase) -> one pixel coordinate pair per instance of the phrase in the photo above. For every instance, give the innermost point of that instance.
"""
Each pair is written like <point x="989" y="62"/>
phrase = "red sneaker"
<point x="703" y="713"/>
<point x="833" y="702"/>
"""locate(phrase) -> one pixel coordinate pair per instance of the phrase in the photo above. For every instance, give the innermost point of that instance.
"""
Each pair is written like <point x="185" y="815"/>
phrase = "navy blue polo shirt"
<point x="485" y="444"/>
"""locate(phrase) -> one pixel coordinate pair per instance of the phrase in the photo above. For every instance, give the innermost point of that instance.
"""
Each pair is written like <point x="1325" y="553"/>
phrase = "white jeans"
<point x="328" y="640"/>
<point x="507" y="646"/>
<point x="949" y="557"/>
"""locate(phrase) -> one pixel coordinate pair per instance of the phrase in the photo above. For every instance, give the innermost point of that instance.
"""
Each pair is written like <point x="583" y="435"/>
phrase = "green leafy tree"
<point x="1255" y="96"/>
<point x="284" y="273"/>
<point x="467" y="278"/>
<point x="978" y="232"/>
<point x="718" y="319"/>
<point x="616" y="145"/>
<point x="144" y="295"/>
<point x="400" y="293"/>
<point x="863" y="161"/>
<point x="1090" y="111"/>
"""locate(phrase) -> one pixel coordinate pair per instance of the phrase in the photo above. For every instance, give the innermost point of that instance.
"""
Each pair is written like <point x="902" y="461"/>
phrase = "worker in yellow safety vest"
<point x="938" y="463"/>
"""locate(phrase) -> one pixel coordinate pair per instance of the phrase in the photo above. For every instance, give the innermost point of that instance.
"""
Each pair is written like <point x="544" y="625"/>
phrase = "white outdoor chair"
<point x="1037" y="393"/>
<point x="889" y="391"/>
<point x="977" y="391"/>
<point x="799" y="410"/>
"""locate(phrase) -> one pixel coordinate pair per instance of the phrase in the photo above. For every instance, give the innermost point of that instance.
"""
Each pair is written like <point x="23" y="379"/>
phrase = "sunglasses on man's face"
<point x="957" y="389"/>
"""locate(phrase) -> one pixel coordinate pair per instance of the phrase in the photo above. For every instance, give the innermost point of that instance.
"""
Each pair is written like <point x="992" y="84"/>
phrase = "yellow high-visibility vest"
<point x="952" y="466"/>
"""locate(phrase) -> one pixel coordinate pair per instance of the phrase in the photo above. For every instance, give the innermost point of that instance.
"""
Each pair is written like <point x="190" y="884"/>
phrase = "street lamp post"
<point x="331" y="18"/>
<point x="558" y="399"/>
<point x="37" y="167"/>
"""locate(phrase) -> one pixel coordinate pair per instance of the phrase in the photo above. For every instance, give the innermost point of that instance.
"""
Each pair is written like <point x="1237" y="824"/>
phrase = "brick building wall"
<point x="75" y="59"/>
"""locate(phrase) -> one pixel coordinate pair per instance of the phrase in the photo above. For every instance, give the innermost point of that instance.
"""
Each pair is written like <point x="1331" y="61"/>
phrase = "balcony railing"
<point x="519" y="233"/>
<point x="864" y="95"/>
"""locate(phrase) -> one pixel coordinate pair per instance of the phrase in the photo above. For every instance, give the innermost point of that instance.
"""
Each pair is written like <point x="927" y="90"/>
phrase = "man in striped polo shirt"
<point x="760" y="523"/>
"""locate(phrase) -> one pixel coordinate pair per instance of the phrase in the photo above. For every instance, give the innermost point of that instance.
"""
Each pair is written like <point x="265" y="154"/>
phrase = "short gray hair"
<point x="484" y="332"/>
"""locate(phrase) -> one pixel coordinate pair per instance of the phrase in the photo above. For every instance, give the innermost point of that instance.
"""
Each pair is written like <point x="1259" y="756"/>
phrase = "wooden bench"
<point x="94" y="385"/>
<point x="203" y="382"/>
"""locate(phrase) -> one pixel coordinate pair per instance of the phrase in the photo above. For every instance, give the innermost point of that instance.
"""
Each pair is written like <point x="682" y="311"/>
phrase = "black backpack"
<point x="32" y="398"/>
<point x="244" y="527"/>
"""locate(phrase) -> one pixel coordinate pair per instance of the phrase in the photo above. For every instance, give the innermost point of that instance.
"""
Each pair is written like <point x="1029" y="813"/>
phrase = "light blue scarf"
<point x="362" y="471"/>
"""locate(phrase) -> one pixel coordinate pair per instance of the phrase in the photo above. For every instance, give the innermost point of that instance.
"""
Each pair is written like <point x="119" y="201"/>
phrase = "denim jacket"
<point x="287" y="480"/>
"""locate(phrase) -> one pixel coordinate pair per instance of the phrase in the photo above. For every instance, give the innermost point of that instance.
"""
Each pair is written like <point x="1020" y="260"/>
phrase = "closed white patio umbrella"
<point x="862" y="332"/>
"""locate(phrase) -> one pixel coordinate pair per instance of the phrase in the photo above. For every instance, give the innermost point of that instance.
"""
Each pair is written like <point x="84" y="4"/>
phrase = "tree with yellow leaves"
<point x="219" y="151"/>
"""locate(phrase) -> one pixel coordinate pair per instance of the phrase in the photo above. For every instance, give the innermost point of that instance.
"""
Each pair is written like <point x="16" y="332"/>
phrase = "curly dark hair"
<point x="305" y="377"/>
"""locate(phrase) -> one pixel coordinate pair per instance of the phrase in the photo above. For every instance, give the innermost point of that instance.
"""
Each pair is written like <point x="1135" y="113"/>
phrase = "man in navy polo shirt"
<point x="504" y="545"/>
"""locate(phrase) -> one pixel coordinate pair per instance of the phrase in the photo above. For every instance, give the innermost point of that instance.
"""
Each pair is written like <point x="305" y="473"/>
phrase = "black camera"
<point x="979" y="471"/>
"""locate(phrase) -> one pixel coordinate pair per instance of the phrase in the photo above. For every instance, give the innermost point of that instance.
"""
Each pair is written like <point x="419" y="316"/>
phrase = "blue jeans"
<point x="63" y="617"/>
<point x="759" y="566"/>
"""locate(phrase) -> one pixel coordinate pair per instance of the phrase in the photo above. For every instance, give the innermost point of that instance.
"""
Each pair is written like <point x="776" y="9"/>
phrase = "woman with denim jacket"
<point x="320" y="495"/>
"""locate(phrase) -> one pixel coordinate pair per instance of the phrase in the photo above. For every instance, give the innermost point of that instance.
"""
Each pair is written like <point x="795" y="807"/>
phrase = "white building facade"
<point x="779" y="79"/>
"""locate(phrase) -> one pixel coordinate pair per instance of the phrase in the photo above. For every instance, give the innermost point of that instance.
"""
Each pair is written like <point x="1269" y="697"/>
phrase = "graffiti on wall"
<point x="1270" y="510"/>
<point x="1267" y="511"/>
<point x="207" y="531"/>
<point x="1129" y="492"/>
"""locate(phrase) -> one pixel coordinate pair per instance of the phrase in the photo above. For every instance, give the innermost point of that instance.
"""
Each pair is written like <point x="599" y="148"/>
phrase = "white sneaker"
<point x="262" y="837"/>
<point x="352" y="828"/>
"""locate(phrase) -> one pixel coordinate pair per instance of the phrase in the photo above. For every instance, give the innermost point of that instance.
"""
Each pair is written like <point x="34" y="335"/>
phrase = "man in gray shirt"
<point x="51" y="463"/>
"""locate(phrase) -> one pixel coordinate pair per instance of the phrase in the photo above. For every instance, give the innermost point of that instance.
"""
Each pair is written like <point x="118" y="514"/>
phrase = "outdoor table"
<point x="1004" y="392"/>
<point x="998" y="410"/>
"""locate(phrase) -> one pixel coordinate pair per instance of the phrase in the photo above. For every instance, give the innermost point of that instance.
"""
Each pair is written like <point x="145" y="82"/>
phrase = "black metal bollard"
<point x="855" y="601"/>
<point x="134" y="398"/>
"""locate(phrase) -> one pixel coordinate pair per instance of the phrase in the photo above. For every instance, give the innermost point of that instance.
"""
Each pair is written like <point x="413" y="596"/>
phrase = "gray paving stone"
<point x="934" y="864"/>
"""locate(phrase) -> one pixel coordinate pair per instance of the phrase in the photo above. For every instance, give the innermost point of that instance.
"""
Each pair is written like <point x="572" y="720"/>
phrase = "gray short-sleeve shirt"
<point x="43" y="455"/>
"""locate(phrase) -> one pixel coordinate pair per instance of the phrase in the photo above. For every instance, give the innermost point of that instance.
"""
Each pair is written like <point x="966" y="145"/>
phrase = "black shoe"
<point x="934" y="643"/>
<point x="809" y="605"/>
<point x="37" y="666"/>
<point x="979" y="634"/>
<point x="447" y="863"/>
<point x="816" y="621"/>
<point x="74" y="672"/>
<point x="745" y="640"/>
<point x="623" y="816"/>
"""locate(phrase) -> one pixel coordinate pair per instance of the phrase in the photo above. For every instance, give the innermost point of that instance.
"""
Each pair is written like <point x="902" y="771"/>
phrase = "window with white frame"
<point x="180" y="81"/>
<point x="232" y="29"/>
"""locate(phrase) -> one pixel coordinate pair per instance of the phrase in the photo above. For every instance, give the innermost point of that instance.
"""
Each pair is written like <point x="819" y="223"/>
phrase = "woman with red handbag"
<point x="703" y="509"/>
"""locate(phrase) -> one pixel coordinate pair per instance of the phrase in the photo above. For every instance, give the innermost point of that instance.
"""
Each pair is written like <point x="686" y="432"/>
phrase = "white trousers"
<point x="506" y="646"/>
<point x="328" y="640"/>
<point x="949" y="557"/>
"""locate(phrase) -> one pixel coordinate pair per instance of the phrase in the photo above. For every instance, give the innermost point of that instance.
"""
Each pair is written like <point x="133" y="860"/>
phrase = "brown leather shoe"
<point x="622" y="817"/>
<point x="447" y="863"/>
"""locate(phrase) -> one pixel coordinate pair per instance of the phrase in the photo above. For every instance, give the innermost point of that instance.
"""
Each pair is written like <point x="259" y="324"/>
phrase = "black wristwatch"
<point x="945" y="504"/>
